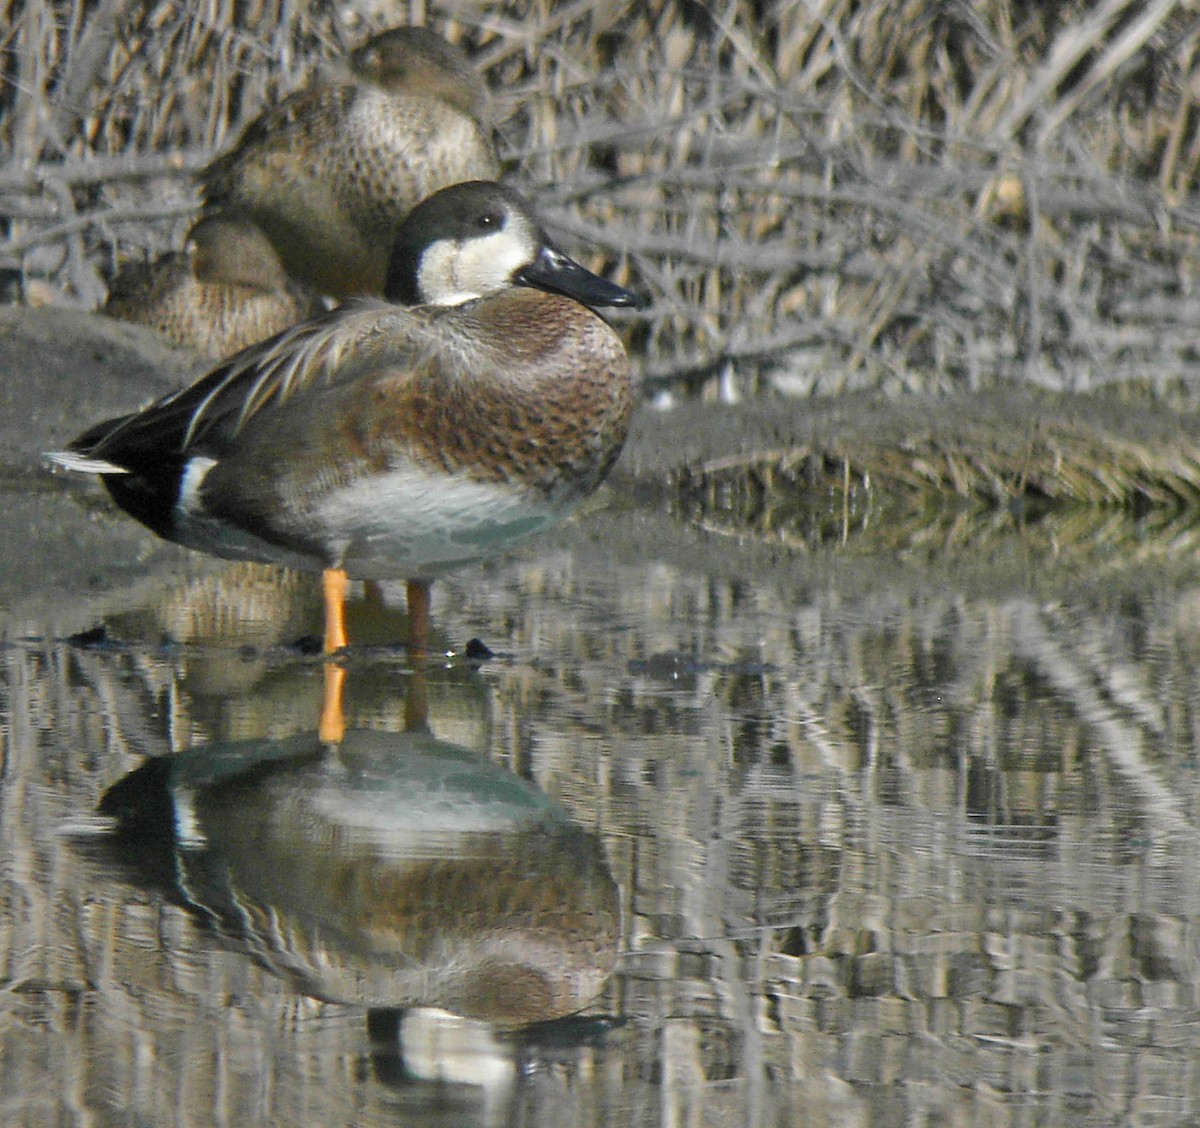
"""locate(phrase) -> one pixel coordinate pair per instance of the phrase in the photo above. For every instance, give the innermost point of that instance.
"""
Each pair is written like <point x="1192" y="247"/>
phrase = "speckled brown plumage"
<point x="224" y="291"/>
<point x="330" y="173"/>
<point x="540" y="396"/>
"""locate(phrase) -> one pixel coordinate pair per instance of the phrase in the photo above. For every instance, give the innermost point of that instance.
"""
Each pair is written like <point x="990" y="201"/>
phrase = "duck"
<point x="331" y="172"/>
<point x="477" y="403"/>
<point x="453" y="882"/>
<point x="224" y="291"/>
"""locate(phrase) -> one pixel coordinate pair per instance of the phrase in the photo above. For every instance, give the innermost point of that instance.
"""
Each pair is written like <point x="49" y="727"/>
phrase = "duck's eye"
<point x="489" y="221"/>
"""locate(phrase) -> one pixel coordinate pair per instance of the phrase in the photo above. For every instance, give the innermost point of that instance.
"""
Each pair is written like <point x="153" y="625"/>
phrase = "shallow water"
<point x="724" y="833"/>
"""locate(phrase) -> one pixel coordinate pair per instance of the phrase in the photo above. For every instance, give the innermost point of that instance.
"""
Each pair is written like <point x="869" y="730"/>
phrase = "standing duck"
<point x="225" y="290"/>
<point x="477" y="404"/>
<point x="330" y="172"/>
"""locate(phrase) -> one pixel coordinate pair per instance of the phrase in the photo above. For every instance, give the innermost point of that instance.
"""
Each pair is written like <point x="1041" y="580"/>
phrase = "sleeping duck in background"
<point x="330" y="173"/>
<point x="225" y="290"/>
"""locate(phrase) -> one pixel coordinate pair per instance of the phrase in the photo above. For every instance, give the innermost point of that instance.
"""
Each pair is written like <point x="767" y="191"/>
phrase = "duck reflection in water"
<point x="393" y="871"/>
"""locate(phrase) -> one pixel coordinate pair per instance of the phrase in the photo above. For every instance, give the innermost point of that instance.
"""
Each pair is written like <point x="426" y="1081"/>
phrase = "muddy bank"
<point x="62" y="370"/>
<point x="900" y="485"/>
<point x="991" y="447"/>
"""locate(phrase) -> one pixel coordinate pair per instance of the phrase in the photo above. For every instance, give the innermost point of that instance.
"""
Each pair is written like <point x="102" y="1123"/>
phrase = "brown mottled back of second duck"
<point x="330" y="173"/>
<point x="227" y="289"/>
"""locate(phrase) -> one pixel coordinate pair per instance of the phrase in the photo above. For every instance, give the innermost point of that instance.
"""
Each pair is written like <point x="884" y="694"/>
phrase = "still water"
<point x="726" y="832"/>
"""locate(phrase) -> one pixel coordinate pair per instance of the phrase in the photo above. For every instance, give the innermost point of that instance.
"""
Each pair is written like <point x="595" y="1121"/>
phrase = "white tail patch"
<point x="74" y="460"/>
<point x="191" y="481"/>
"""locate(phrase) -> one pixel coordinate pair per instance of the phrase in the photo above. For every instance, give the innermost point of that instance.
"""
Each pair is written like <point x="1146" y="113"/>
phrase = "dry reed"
<point x="817" y="195"/>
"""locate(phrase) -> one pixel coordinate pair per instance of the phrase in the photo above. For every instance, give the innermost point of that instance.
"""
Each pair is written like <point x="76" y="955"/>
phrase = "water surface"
<point x="727" y="832"/>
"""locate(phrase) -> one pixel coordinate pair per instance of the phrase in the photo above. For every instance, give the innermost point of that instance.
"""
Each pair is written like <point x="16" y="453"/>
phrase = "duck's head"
<point x="229" y="249"/>
<point x="479" y="237"/>
<point x="414" y="60"/>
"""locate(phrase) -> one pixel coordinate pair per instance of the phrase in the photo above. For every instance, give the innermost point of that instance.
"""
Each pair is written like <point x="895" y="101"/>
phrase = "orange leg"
<point x="335" y="582"/>
<point x="418" y="617"/>
<point x="416" y="699"/>
<point x="333" y="721"/>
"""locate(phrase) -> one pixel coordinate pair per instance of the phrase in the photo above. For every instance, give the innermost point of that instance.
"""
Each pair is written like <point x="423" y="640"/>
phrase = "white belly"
<point x="410" y="525"/>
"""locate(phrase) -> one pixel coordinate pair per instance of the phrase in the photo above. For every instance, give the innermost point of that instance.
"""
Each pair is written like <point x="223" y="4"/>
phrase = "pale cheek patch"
<point x="453" y="273"/>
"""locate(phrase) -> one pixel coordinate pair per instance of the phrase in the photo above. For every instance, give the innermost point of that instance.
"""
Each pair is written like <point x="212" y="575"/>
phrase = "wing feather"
<point x="205" y="417"/>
